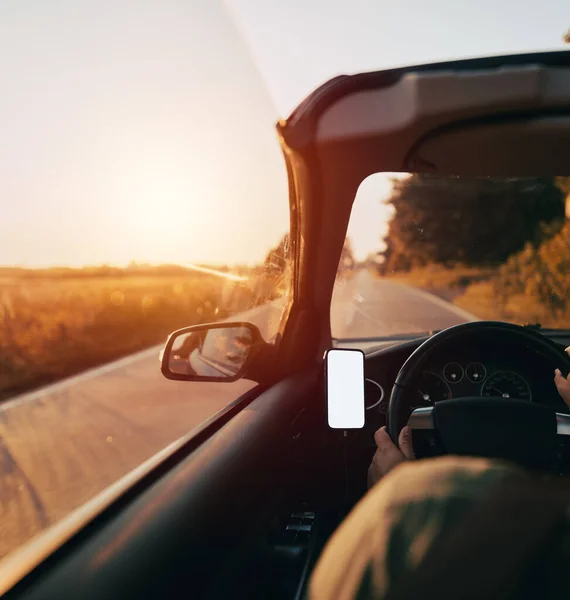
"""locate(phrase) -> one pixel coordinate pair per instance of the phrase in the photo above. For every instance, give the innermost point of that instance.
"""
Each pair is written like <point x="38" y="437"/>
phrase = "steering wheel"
<point x="517" y="430"/>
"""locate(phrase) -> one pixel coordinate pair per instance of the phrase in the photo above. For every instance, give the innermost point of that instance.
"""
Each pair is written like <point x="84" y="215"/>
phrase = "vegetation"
<point x="445" y="282"/>
<point x="472" y="221"/>
<point x="58" y="322"/>
<point x="499" y="249"/>
<point x="532" y="285"/>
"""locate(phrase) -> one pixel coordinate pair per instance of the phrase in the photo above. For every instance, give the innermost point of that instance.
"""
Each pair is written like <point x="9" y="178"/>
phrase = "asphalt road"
<point x="62" y="445"/>
<point x="365" y="306"/>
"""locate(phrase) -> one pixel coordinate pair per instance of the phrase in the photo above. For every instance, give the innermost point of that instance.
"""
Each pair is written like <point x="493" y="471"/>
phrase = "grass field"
<point x="56" y="323"/>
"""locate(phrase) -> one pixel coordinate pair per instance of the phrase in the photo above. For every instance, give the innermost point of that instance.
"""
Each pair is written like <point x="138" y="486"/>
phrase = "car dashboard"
<point x="484" y="368"/>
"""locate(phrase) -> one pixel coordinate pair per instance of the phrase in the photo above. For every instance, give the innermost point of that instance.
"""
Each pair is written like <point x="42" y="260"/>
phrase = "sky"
<point x="144" y="130"/>
<point x="299" y="44"/>
<point x="134" y="130"/>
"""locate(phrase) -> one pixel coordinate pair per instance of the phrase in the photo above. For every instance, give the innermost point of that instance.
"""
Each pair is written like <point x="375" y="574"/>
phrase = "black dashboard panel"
<point x="471" y="372"/>
<point x="380" y="369"/>
<point x="501" y="361"/>
<point x="384" y="361"/>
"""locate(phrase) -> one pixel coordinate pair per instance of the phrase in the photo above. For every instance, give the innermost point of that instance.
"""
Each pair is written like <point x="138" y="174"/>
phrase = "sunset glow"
<point x="158" y="146"/>
<point x="143" y="148"/>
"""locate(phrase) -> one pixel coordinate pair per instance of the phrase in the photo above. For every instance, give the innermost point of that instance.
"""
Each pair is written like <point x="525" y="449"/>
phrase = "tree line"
<point x="472" y="221"/>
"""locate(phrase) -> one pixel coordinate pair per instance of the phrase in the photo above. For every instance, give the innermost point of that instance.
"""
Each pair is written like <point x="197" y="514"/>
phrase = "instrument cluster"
<point x="460" y="380"/>
<point x="482" y="367"/>
<point x="453" y="379"/>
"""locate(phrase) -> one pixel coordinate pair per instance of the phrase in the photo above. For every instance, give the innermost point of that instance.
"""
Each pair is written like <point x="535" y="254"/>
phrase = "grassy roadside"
<point x="485" y="292"/>
<point x="56" y="324"/>
<point x="531" y="286"/>
<point x="485" y="300"/>
<point x="447" y="283"/>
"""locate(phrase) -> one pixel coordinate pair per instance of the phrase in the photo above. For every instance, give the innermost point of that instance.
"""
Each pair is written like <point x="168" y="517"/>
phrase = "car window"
<point x="143" y="191"/>
<point x="425" y="252"/>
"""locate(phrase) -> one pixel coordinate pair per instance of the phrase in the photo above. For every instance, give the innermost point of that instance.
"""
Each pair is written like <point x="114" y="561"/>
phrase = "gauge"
<point x="373" y="393"/>
<point x="453" y="372"/>
<point x="433" y="388"/>
<point x="475" y="372"/>
<point x="506" y="384"/>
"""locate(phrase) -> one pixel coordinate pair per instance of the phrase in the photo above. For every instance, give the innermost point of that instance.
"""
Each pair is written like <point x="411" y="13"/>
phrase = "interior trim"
<point x="299" y="129"/>
<point x="422" y="418"/>
<point x="28" y="556"/>
<point x="111" y="556"/>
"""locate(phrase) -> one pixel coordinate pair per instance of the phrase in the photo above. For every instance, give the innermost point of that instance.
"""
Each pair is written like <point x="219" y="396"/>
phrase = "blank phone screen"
<point x="345" y="388"/>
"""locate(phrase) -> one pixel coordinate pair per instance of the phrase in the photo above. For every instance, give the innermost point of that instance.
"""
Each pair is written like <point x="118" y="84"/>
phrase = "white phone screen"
<point x="345" y="388"/>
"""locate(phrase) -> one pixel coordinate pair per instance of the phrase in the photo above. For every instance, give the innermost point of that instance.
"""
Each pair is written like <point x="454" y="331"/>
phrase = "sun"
<point x="161" y="206"/>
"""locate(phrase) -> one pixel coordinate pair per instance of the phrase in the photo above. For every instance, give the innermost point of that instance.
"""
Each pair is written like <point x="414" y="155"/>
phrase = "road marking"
<point x="89" y="374"/>
<point x="350" y="314"/>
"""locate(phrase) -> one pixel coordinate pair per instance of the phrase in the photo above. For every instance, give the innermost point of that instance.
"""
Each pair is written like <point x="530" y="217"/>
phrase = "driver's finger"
<point x="562" y="385"/>
<point x="405" y="443"/>
<point x="386" y="447"/>
<point x="382" y="439"/>
<point x="559" y="379"/>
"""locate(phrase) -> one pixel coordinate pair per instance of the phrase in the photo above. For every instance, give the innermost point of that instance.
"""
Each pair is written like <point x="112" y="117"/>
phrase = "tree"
<point x="347" y="255"/>
<point x="277" y="258"/>
<point x="473" y="221"/>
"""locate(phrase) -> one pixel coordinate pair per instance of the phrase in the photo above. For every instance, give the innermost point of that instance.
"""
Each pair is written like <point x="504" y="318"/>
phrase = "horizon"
<point x="131" y="265"/>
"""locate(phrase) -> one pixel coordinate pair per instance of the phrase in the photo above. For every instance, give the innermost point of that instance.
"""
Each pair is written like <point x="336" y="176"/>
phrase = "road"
<point x="62" y="445"/>
<point x="365" y="306"/>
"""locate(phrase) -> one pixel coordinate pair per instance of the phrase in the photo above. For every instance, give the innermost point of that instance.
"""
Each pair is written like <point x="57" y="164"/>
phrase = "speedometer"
<point x="506" y="384"/>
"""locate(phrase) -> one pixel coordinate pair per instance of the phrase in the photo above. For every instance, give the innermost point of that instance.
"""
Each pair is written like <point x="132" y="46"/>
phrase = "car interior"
<point x="243" y="507"/>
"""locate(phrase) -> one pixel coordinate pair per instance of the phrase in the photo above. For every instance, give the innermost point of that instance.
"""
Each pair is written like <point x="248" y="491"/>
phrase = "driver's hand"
<point x="563" y="383"/>
<point x="388" y="455"/>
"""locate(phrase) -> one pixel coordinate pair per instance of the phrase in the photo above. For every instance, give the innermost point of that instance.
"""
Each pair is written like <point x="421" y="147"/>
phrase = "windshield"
<point x="425" y="252"/>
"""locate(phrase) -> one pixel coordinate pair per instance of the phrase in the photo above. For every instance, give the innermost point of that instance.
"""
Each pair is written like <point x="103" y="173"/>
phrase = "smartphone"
<point x="344" y="385"/>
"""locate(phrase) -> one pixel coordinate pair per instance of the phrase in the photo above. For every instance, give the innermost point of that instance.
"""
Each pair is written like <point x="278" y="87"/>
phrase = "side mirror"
<point x="210" y="352"/>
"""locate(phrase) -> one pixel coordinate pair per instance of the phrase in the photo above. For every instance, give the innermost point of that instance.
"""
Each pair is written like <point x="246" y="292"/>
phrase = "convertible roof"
<point x="498" y="115"/>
